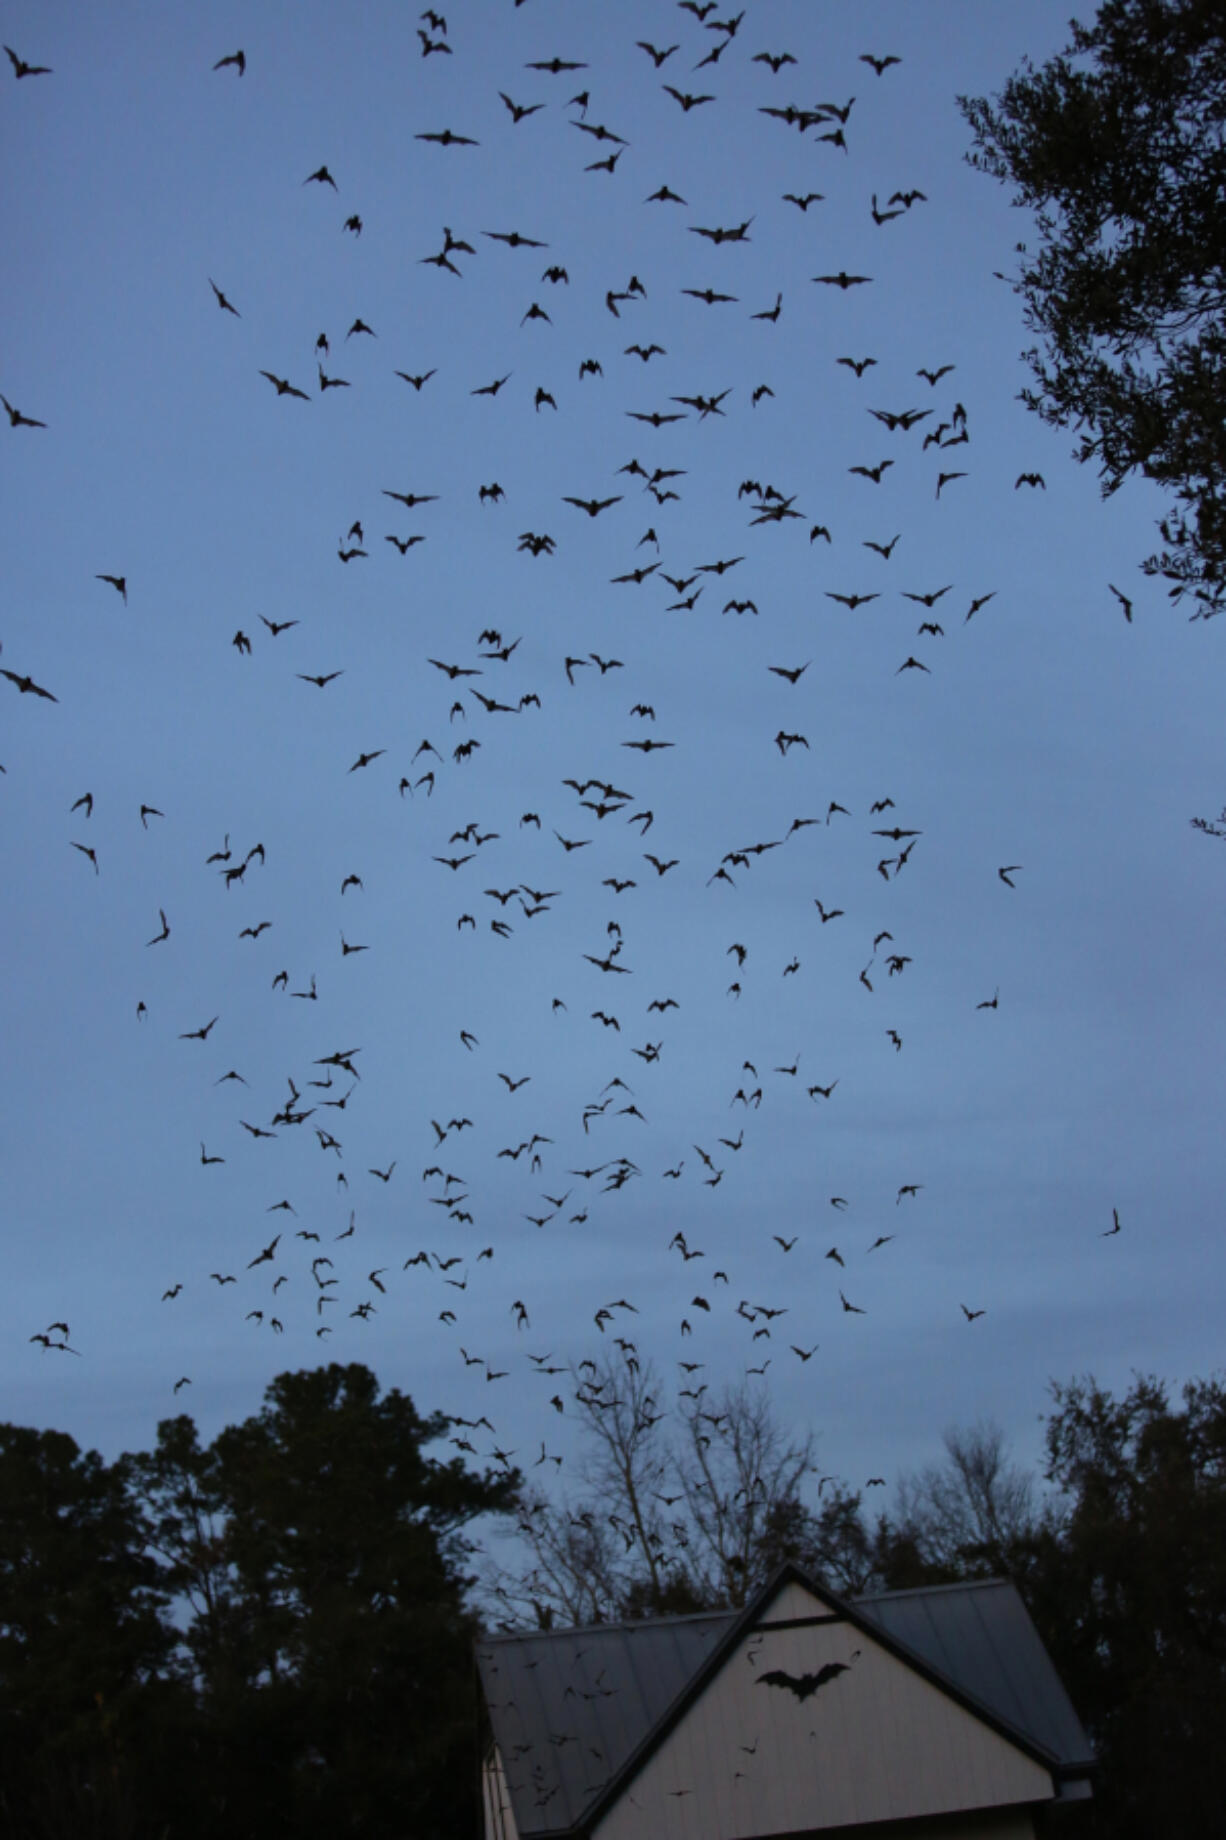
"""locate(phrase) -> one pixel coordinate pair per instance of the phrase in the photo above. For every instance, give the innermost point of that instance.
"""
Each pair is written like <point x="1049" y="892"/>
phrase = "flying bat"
<point x="22" y="69"/>
<point x="600" y="133"/>
<point x="519" y="110"/>
<point x="593" y="506"/>
<point x="803" y="1686"/>
<point x="17" y="419"/>
<point x="284" y="388"/>
<point x="27" y="686"/>
<point x="687" y="101"/>
<point x="412" y="499"/>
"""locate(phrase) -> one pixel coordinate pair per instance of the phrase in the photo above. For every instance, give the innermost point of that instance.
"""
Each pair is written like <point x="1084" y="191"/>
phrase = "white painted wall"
<point x="496" y="1800"/>
<point x="875" y="1744"/>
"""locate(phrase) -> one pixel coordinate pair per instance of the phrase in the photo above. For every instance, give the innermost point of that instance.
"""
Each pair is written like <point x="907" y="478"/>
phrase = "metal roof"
<point x="570" y="1708"/>
<point x="979" y="1636"/>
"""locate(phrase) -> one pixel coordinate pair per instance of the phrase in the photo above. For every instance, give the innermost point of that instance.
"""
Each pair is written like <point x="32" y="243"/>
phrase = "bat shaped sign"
<point x="803" y="1685"/>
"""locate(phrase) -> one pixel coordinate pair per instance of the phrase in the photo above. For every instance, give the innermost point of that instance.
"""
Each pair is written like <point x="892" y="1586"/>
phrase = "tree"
<point x="88" y="1693"/>
<point x="323" y="1557"/>
<point x="975" y="1515"/>
<point x="266" y="1634"/>
<point x="681" y="1510"/>
<point x="1130" y="1595"/>
<point x="618" y="1550"/>
<point x="1117" y="145"/>
<point x="836" y="1545"/>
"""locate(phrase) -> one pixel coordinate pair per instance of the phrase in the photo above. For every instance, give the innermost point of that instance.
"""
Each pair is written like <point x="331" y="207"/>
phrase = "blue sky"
<point x="1045" y="732"/>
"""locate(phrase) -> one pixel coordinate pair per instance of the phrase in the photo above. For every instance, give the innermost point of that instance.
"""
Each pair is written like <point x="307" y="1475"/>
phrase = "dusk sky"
<point x="981" y="1072"/>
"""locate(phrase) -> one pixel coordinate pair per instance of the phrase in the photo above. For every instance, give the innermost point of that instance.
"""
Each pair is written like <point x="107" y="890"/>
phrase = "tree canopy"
<point x="1130" y="1594"/>
<point x="679" y="1500"/>
<point x="268" y="1633"/>
<point x="1117" y="146"/>
<point x="86" y="1658"/>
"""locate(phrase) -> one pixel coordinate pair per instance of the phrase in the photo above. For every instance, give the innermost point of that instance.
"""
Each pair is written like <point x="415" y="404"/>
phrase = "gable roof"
<point x="980" y="1638"/>
<point x="577" y="1713"/>
<point x="570" y="1707"/>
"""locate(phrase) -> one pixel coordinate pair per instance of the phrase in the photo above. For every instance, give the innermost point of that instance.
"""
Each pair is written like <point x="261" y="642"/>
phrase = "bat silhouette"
<point x="804" y="1686"/>
<point x="519" y="110"/>
<point x="283" y="387"/>
<point x="593" y="506"/>
<point x="445" y="138"/>
<point x="22" y="69"/>
<point x="687" y="101"/>
<point x="27" y="686"/>
<point x="17" y="419"/>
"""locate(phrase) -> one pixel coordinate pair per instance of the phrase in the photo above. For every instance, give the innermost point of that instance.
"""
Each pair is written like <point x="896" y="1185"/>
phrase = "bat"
<point x="284" y="388"/>
<point x="804" y="1686"/>
<point x="27" y="686"/>
<point x="22" y="69"/>
<point x="687" y="101"/>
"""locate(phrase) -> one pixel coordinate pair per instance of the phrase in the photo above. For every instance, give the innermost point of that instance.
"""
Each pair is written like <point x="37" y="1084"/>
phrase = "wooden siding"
<point x="876" y="1743"/>
<point x="792" y="1602"/>
<point x="496" y="1799"/>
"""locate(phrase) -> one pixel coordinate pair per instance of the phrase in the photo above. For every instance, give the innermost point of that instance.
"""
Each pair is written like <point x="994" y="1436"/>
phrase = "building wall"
<point x="495" y="1799"/>
<point x="875" y="1743"/>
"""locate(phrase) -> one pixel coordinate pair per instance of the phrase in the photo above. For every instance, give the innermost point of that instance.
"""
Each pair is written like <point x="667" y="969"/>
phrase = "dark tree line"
<point x="274" y="1632"/>
<point x="268" y="1634"/>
